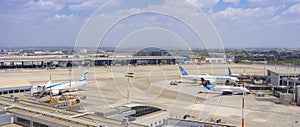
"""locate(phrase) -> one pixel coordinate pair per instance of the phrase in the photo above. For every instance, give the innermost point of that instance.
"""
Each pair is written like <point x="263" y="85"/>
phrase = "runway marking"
<point x="259" y="120"/>
<point x="197" y="102"/>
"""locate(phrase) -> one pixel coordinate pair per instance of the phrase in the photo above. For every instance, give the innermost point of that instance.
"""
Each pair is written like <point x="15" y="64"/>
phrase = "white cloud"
<point x="270" y="2"/>
<point x="289" y="16"/>
<point x="203" y="3"/>
<point x="295" y="9"/>
<point x="177" y="10"/>
<point x="24" y="11"/>
<point x="45" y="5"/>
<point x="85" y="5"/>
<point x="231" y="1"/>
<point x="61" y="17"/>
<point x="14" y="3"/>
<point x="245" y="15"/>
<point x="257" y="15"/>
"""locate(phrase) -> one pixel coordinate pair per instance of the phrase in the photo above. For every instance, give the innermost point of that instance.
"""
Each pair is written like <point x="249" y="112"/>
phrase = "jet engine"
<point x="54" y="92"/>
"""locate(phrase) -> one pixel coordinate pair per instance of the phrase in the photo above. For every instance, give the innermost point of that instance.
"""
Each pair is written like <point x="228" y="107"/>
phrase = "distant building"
<point x="246" y="61"/>
<point x="260" y="62"/>
<point x="215" y="60"/>
<point x="142" y="57"/>
<point x="282" y="79"/>
<point x="48" y="52"/>
<point x="230" y="58"/>
<point x="13" y="53"/>
<point x="136" y="113"/>
<point x="152" y="52"/>
<point x="219" y="58"/>
<point x="164" y="57"/>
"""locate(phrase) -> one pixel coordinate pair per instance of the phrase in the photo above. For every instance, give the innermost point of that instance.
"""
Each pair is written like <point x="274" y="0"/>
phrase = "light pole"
<point x="294" y="92"/>
<point x="70" y="85"/>
<point x="50" y="84"/>
<point x="288" y="78"/>
<point x="243" y="103"/>
<point x="129" y="75"/>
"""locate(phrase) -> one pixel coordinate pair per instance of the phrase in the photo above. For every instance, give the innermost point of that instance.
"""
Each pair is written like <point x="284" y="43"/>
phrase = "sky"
<point x="239" y="23"/>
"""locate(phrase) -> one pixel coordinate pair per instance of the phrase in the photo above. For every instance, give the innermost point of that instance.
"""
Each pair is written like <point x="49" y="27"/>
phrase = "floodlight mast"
<point x="70" y="105"/>
<point x="294" y="92"/>
<point x="129" y="75"/>
<point x="243" y="103"/>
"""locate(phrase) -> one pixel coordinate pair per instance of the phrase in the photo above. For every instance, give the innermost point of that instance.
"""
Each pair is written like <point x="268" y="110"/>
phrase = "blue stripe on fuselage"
<point x="82" y="80"/>
<point x="224" y="78"/>
<point x="228" y="79"/>
<point x="55" y="85"/>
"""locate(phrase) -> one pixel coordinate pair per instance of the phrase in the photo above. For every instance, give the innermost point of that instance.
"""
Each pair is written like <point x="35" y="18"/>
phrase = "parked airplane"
<point x="224" y="89"/>
<point x="56" y="88"/>
<point x="237" y="75"/>
<point x="208" y="78"/>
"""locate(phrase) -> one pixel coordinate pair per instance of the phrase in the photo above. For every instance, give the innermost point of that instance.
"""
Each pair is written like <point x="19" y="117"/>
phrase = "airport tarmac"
<point x="108" y="88"/>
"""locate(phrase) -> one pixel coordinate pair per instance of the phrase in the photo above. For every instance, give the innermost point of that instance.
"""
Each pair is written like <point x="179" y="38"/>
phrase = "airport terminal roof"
<point x="11" y="125"/>
<point x="89" y="58"/>
<point x="284" y="72"/>
<point x="5" y="83"/>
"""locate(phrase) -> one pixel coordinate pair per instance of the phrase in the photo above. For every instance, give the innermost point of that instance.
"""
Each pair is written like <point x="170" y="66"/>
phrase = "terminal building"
<point x="215" y="60"/>
<point x="14" y="86"/>
<point x="29" y="114"/>
<point x="282" y="79"/>
<point x="284" y="82"/>
<point x="142" y="57"/>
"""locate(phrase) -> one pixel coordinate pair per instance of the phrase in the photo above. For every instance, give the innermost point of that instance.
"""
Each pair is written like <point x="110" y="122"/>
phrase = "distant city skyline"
<point x="252" y="23"/>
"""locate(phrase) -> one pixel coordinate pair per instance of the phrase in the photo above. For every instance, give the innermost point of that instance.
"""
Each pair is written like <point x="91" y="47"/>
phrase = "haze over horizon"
<point x="253" y="23"/>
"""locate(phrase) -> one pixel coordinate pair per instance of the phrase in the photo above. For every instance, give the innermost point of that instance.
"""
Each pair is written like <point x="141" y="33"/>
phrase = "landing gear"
<point x="173" y="83"/>
<point x="195" y="81"/>
<point x="227" y="82"/>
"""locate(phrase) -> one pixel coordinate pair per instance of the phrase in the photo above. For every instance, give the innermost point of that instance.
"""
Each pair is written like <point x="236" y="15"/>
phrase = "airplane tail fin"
<point x="183" y="72"/>
<point x="48" y="84"/>
<point x="229" y="71"/>
<point x="84" y="77"/>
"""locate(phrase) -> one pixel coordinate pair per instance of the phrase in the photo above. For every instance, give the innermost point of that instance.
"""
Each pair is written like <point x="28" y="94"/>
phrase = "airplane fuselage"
<point x="234" y="89"/>
<point x="211" y="79"/>
<point x="65" y="85"/>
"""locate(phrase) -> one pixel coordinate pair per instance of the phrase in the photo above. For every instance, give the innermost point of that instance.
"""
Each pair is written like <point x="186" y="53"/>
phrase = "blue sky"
<point x="240" y="23"/>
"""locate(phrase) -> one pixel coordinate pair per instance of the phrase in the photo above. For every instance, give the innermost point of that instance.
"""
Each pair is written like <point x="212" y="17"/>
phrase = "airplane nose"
<point x="248" y="91"/>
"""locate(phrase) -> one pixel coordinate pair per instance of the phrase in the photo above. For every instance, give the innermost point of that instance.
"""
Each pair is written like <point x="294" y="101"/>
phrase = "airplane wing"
<point x="228" y="90"/>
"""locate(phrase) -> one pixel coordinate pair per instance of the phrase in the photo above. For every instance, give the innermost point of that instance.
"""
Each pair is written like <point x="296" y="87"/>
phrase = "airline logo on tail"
<point x="183" y="72"/>
<point x="84" y="77"/>
<point x="206" y="85"/>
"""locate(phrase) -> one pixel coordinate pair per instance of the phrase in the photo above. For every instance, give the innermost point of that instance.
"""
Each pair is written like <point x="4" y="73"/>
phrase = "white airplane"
<point x="208" y="78"/>
<point x="226" y="89"/>
<point x="237" y="75"/>
<point x="57" y="88"/>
